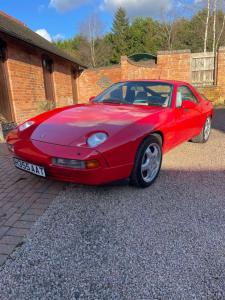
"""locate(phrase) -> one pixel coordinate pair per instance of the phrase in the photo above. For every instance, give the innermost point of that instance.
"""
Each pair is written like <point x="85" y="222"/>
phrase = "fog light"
<point x="92" y="164"/>
<point x="69" y="163"/>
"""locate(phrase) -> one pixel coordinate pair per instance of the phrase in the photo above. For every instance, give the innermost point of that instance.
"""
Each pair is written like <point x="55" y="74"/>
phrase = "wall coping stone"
<point x="166" y="52"/>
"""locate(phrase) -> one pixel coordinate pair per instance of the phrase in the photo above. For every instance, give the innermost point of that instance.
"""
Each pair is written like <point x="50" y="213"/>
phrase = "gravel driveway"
<point x="118" y="242"/>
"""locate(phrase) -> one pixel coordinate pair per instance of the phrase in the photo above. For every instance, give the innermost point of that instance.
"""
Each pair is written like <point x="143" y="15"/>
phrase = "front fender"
<point x="122" y="148"/>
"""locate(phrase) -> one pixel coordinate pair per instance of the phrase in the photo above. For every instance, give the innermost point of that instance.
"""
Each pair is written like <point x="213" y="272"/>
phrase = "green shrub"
<point x="45" y="105"/>
<point x="2" y="119"/>
<point x="219" y="102"/>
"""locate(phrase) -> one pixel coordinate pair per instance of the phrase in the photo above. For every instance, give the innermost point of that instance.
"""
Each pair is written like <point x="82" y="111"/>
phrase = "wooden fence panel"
<point x="203" y="69"/>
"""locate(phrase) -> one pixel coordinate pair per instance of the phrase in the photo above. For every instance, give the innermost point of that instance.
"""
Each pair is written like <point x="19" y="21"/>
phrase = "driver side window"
<point x="184" y="93"/>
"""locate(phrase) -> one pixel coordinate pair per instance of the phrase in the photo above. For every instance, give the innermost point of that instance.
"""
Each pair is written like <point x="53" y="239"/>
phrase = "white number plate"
<point x="31" y="168"/>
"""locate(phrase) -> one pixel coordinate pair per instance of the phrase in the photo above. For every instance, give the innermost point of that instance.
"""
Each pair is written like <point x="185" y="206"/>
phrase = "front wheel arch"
<point x="157" y="134"/>
<point x="135" y="177"/>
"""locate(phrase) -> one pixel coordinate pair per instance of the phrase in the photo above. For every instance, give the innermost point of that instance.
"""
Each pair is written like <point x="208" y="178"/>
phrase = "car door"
<point x="188" y="120"/>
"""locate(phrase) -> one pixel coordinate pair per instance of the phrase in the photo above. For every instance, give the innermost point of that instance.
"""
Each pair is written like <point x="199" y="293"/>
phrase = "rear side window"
<point x="184" y="93"/>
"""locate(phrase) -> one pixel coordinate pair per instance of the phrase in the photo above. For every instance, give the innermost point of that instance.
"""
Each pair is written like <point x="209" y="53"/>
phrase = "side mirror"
<point x="91" y="99"/>
<point x="187" y="104"/>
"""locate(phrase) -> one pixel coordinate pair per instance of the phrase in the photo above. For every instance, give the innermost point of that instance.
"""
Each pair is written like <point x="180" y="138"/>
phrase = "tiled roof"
<point x="18" y="30"/>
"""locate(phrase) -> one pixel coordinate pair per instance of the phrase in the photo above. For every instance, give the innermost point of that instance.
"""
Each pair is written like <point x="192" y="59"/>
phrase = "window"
<point x="2" y="51"/>
<point x="48" y="82"/>
<point x="184" y="93"/>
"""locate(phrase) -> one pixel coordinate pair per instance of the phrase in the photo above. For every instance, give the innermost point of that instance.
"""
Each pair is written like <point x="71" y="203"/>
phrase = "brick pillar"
<point x="221" y="66"/>
<point x="175" y="64"/>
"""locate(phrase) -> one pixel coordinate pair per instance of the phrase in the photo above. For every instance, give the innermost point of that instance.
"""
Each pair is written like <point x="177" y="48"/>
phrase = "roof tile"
<point x="17" y="29"/>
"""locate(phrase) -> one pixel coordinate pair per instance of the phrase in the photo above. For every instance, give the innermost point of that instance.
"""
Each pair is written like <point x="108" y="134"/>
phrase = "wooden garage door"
<point x="74" y="77"/>
<point x="5" y="109"/>
<point x="48" y="80"/>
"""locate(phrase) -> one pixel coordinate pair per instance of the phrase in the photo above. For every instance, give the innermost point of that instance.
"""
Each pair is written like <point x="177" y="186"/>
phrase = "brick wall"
<point x="63" y="83"/>
<point x="26" y="82"/>
<point x="218" y="91"/>
<point x="175" y="65"/>
<point x="213" y="93"/>
<point x="91" y="82"/>
<point x="170" y="65"/>
<point x="164" y="69"/>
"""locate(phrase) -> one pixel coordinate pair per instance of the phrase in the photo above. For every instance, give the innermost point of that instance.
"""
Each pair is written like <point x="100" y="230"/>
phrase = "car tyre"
<point x="148" y="162"/>
<point x="205" y="132"/>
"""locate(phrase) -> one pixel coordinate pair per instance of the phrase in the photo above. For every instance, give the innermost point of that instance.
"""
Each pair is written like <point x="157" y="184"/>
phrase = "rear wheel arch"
<point x="205" y="132"/>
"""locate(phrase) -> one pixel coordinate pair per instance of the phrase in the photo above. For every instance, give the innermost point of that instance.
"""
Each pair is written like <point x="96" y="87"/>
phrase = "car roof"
<point x="174" y="82"/>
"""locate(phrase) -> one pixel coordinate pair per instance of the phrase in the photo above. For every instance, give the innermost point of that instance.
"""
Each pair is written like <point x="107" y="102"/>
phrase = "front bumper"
<point x="41" y="153"/>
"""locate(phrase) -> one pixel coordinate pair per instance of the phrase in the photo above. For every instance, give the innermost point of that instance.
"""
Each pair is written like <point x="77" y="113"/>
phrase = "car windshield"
<point x="149" y="93"/>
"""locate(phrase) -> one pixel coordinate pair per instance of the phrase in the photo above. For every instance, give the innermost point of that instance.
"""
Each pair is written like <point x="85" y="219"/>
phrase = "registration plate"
<point x="31" y="168"/>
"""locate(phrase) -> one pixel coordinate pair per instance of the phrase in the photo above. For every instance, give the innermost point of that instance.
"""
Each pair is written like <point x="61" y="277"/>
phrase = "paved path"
<point x="23" y="198"/>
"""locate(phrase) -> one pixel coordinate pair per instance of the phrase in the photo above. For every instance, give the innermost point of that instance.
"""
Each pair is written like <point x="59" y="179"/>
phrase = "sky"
<point x="58" y="19"/>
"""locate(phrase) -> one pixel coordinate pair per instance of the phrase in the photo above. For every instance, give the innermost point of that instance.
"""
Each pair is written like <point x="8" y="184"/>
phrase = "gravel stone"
<point x="119" y="242"/>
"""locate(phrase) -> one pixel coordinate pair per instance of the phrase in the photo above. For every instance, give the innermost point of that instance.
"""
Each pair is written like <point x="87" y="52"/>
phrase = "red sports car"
<point x="122" y="133"/>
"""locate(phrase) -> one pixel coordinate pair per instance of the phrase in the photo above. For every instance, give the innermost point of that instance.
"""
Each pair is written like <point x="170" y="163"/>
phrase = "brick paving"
<point x="23" y="199"/>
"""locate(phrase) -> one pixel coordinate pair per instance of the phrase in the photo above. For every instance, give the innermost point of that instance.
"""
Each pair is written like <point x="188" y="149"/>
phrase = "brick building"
<point x="33" y="71"/>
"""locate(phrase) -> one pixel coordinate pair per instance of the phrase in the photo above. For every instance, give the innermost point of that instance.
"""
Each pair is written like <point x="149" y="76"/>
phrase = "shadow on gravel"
<point x="119" y="242"/>
<point x="219" y="119"/>
<point x="191" y="179"/>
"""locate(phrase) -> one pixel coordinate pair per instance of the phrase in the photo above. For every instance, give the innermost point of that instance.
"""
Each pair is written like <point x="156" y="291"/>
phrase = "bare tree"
<point x="212" y="10"/>
<point x="221" y="31"/>
<point x="207" y="26"/>
<point x="214" y="25"/>
<point x="205" y="20"/>
<point x="92" y="29"/>
<point x="168" y="27"/>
